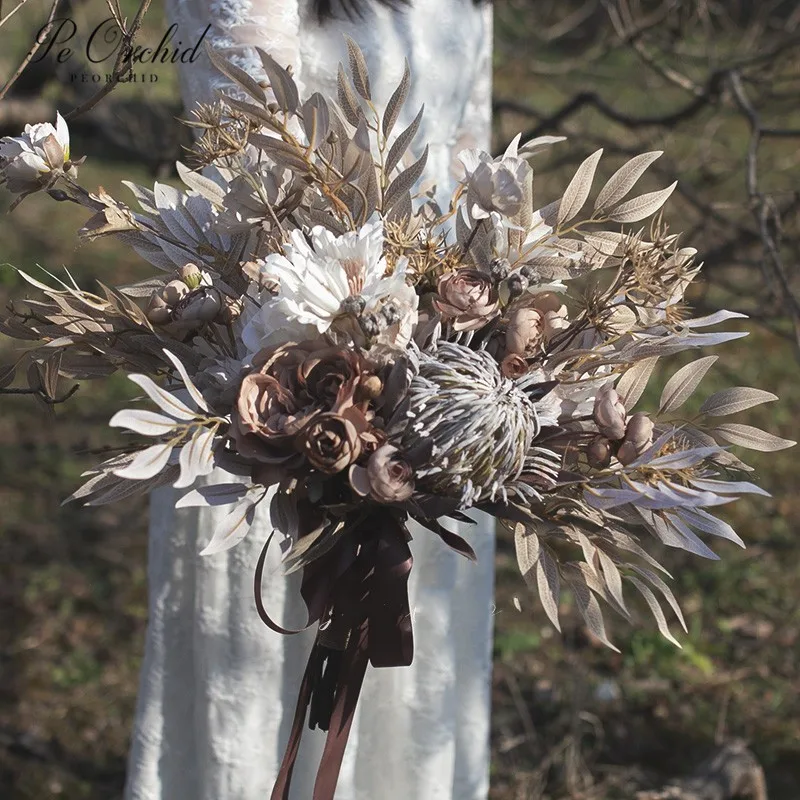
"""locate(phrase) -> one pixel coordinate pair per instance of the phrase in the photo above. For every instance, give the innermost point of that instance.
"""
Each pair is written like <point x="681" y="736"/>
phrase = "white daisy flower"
<point x="329" y="279"/>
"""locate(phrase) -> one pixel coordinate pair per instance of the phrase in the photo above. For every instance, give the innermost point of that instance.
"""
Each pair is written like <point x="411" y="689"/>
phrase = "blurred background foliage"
<point x="714" y="84"/>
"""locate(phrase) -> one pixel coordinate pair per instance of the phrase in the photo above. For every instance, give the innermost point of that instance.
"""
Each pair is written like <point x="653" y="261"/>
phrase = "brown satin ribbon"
<point x="370" y="599"/>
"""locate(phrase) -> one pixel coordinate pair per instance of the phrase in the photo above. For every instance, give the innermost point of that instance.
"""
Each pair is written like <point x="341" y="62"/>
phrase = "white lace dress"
<point x="218" y="689"/>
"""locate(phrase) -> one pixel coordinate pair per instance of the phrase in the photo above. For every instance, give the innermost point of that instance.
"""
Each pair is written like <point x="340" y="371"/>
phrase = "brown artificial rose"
<point x="387" y="478"/>
<point x="468" y="298"/>
<point x="524" y="330"/>
<point x="302" y="382"/>
<point x="513" y="366"/>
<point x="270" y="412"/>
<point x="332" y="376"/>
<point x="331" y="443"/>
<point x="266" y="419"/>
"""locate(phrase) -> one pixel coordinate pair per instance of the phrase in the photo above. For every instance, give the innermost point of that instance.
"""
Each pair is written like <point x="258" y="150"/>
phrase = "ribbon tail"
<point x="351" y="679"/>
<point x="283" y="782"/>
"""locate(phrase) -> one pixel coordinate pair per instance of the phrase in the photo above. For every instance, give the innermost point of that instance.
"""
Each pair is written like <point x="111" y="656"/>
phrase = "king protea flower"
<point x="481" y="424"/>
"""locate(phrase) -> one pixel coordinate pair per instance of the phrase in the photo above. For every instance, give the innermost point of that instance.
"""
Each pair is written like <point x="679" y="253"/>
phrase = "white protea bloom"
<point x="330" y="278"/>
<point x="481" y="424"/>
<point x="26" y="160"/>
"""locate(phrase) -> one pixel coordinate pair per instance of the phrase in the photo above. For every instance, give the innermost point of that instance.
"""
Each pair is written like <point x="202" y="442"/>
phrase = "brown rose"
<point x="266" y="419"/>
<point x="387" y="478"/>
<point x="468" y="298"/>
<point x="332" y="376"/>
<point x="331" y="443"/>
<point x="293" y="384"/>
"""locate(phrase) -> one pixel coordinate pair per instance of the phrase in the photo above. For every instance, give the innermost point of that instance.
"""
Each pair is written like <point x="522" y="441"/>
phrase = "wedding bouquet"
<point x="357" y="355"/>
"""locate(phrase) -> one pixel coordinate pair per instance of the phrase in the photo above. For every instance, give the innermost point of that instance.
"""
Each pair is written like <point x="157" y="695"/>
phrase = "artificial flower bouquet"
<point x="357" y="355"/>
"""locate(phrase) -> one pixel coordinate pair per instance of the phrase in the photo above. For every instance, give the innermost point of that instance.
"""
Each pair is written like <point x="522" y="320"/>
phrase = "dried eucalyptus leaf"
<point x="238" y="76"/>
<point x="548" y="583"/>
<point x="612" y="578"/>
<point x="589" y="608"/>
<point x="657" y="582"/>
<point x="316" y="120"/>
<point x="681" y="385"/>
<point x="405" y="181"/>
<point x="641" y="207"/>
<point x="655" y="609"/>
<point x="624" y="179"/>
<point x="397" y="101"/>
<point x="348" y="101"/>
<point x="232" y="528"/>
<point x="526" y="544"/>
<point x="578" y="189"/>
<point x="752" y="438"/>
<point x="402" y="143"/>
<point x="281" y="82"/>
<point x="632" y="384"/>
<point x="735" y="399"/>
<point x="358" y="68"/>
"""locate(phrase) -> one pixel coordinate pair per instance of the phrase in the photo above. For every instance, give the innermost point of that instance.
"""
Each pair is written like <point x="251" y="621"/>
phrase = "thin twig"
<point x="119" y="65"/>
<point x="43" y="34"/>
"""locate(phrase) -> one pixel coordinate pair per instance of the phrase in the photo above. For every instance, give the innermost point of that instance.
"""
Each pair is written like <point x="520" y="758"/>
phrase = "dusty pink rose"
<point x="331" y="443"/>
<point x="266" y="420"/>
<point x="638" y="437"/>
<point x="524" y="330"/>
<point x="609" y="413"/>
<point x="468" y="298"/>
<point x="387" y="478"/>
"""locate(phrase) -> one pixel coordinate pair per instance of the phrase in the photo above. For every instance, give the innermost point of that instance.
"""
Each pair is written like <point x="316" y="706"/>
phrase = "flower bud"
<point x="190" y="274"/>
<point x="554" y="313"/>
<point x="158" y="312"/>
<point x="174" y="292"/>
<point x="524" y="330"/>
<point x="609" y="413"/>
<point x="638" y="437"/>
<point x="370" y="387"/>
<point x="599" y="452"/>
<point x="513" y="366"/>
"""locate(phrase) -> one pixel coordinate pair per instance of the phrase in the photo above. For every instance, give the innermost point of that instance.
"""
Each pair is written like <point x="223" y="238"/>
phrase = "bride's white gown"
<point x="218" y="688"/>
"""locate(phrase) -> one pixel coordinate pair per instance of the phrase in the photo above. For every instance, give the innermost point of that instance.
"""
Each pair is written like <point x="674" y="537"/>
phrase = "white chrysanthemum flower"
<point x="331" y="278"/>
<point x="41" y="149"/>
